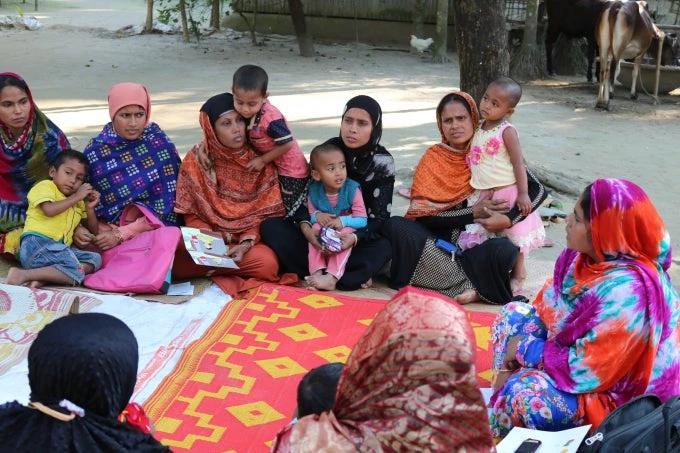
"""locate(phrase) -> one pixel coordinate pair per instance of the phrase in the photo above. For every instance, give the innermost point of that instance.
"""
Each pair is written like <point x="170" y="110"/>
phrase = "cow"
<point x="575" y="19"/>
<point x="625" y="30"/>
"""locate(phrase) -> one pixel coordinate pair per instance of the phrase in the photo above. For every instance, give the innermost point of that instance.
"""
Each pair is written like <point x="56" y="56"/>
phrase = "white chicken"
<point x="421" y="45"/>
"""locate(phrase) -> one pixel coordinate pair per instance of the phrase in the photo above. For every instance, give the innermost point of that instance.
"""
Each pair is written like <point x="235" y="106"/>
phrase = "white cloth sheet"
<point x="163" y="332"/>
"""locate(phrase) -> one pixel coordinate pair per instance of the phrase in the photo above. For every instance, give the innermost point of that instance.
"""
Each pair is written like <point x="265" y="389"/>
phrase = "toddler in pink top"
<point x="269" y="134"/>
<point x="498" y="171"/>
<point x="334" y="201"/>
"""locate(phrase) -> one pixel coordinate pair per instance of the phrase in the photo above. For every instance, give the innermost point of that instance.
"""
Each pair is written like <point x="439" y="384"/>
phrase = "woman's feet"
<point x="467" y="297"/>
<point x="367" y="284"/>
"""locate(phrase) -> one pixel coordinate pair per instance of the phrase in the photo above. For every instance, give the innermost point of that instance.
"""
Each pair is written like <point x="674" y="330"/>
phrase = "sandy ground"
<point x="73" y="60"/>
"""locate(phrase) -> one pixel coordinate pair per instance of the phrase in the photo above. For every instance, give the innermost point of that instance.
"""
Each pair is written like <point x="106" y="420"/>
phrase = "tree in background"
<point x="481" y="43"/>
<point x="183" y="18"/>
<point x="215" y="14"/>
<point x="297" y="14"/>
<point x="418" y="18"/>
<point x="148" y="25"/>
<point x="441" y="38"/>
<point x="529" y="61"/>
<point x="237" y="5"/>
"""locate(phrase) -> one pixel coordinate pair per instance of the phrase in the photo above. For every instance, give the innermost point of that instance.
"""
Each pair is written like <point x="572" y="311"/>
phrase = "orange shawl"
<point x="442" y="177"/>
<point x="234" y="200"/>
<point x="408" y="385"/>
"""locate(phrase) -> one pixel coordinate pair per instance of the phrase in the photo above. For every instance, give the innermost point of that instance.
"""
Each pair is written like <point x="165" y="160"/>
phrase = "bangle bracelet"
<point x="118" y="235"/>
<point x="305" y="221"/>
<point x="356" y="239"/>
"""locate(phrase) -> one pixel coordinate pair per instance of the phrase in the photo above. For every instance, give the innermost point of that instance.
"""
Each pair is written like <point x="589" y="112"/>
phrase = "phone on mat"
<point x="528" y="446"/>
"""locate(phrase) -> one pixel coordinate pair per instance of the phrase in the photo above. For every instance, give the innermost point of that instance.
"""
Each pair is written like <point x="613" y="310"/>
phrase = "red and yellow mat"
<point x="235" y="387"/>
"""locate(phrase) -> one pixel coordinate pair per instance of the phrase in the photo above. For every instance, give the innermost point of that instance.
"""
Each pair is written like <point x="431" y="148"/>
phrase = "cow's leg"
<point x="550" y="38"/>
<point x="592" y="45"/>
<point x="613" y="73"/>
<point x="603" y="92"/>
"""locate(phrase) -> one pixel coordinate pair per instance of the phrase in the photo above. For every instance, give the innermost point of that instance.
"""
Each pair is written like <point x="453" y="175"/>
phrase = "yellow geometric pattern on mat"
<point x="302" y="332"/>
<point x="193" y="406"/>
<point x="281" y="367"/>
<point x="257" y="413"/>
<point x="336" y="354"/>
<point x="482" y="335"/>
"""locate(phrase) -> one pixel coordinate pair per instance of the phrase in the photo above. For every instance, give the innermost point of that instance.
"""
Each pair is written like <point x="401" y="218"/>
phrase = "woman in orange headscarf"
<point x="228" y="199"/>
<point x="408" y="385"/>
<point x="442" y="203"/>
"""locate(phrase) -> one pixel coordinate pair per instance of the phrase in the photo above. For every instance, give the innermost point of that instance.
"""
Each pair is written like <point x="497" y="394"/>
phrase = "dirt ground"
<point x="72" y="61"/>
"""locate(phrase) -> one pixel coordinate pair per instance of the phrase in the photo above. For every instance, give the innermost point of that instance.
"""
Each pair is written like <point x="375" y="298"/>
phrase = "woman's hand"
<point x="106" y="240"/>
<point x="348" y="240"/>
<point x="82" y="238"/>
<point x="510" y="364"/>
<point x="256" y="164"/>
<point x="495" y="222"/>
<point x="524" y="203"/>
<point x="482" y="208"/>
<point x="312" y="237"/>
<point x="202" y="157"/>
<point x="237" y="252"/>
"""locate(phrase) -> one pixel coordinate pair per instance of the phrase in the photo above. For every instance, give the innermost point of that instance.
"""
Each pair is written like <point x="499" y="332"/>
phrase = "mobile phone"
<point x="447" y="247"/>
<point x="528" y="446"/>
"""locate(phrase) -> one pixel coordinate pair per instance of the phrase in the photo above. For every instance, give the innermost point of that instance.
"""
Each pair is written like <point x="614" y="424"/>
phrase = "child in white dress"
<point x="499" y="172"/>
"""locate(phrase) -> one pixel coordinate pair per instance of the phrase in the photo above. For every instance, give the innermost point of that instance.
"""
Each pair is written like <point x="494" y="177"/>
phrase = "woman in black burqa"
<point x="82" y="370"/>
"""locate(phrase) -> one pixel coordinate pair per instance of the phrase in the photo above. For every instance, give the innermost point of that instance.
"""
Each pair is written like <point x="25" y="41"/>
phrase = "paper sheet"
<point x="207" y="248"/>
<point x="566" y="441"/>
<point x="181" y="289"/>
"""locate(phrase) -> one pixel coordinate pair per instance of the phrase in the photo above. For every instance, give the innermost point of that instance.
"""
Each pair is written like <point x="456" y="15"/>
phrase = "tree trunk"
<point x="183" y="16"/>
<point x="215" y="15"/>
<point x="441" y="39"/>
<point x="148" y="25"/>
<point x="238" y="7"/>
<point x="481" y="43"/>
<point x="305" y="42"/>
<point x="529" y="61"/>
<point x="418" y="10"/>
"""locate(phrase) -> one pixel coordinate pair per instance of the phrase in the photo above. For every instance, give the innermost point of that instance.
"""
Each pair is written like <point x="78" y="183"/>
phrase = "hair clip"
<point x="74" y="409"/>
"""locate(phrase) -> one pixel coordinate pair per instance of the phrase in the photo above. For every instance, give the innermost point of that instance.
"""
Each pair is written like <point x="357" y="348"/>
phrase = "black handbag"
<point x="642" y="425"/>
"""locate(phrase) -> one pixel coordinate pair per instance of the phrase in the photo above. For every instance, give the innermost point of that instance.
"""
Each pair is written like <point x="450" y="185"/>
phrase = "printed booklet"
<point x="207" y="248"/>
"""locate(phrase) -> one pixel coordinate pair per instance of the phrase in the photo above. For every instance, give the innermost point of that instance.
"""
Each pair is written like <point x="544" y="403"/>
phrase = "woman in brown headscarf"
<point x="228" y="199"/>
<point x="408" y="385"/>
<point x="442" y="203"/>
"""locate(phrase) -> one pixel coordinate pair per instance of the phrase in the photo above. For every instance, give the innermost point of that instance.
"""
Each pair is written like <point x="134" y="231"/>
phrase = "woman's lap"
<point x="290" y="246"/>
<point x="259" y="262"/>
<point x="528" y="398"/>
<point x="417" y="261"/>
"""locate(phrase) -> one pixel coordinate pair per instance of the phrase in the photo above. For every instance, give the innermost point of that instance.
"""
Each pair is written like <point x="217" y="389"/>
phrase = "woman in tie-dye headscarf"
<point x="603" y="330"/>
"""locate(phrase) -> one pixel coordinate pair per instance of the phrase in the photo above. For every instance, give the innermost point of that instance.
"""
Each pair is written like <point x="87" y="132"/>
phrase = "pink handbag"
<point x="141" y="264"/>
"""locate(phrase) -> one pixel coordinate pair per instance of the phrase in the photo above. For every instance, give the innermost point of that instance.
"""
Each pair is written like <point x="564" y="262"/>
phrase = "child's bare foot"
<point x="15" y="276"/>
<point x="325" y="282"/>
<point x="36" y="284"/>
<point x="367" y="284"/>
<point x="467" y="297"/>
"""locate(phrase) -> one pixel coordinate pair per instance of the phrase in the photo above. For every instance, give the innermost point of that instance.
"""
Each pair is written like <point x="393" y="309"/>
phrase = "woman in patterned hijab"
<point x="603" y="330"/>
<point x="408" y="385"/>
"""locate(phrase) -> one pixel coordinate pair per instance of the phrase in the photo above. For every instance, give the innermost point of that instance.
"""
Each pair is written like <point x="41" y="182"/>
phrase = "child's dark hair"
<point x="250" y="78"/>
<point x="512" y="88"/>
<point x="319" y="150"/>
<point x="316" y="391"/>
<point x="71" y="154"/>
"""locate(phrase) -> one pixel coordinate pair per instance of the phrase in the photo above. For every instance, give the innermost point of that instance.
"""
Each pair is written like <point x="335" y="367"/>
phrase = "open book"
<point x="207" y="248"/>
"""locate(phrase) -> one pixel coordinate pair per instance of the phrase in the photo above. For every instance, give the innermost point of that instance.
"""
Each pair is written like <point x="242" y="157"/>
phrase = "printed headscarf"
<point x="25" y="160"/>
<point x="408" y="385"/>
<point x="90" y="360"/>
<point x="624" y="298"/>
<point x="143" y="170"/>
<point x="235" y="199"/>
<point x="442" y="177"/>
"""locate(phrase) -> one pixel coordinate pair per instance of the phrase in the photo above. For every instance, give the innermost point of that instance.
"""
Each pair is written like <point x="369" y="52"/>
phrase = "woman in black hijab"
<point x="82" y="370"/>
<point x="369" y="164"/>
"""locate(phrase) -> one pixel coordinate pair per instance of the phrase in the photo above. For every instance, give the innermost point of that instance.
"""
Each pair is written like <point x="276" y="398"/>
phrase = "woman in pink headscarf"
<point x="131" y="161"/>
